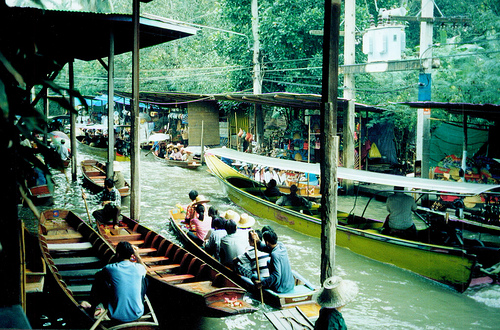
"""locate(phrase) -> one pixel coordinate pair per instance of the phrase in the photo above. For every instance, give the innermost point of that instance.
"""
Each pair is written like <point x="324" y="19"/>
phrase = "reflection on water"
<point x="389" y="297"/>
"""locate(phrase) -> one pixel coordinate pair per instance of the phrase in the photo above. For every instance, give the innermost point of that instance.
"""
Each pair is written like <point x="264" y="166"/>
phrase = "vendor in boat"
<point x="176" y="154"/>
<point x="334" y="295"/>
<point x="272" y="190"/>
<point x="399" y="222"/>
<point x="199" y="225"/>
<point x="245" y="263"/>
<point x="162" y="152"/>
<point x="111" y="201"/>
<point x="280" y="272"/>
<point x="120" y="286"/>
<point x="293" y="199"/>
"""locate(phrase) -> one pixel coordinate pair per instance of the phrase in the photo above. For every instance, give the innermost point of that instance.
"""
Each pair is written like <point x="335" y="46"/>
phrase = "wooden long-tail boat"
<point x="94" y="174"/>
<point x="177" y="273"/>
<point x="302" y="295"/>
<point x="99" y="151"/>
<point x="190" y="164"/>
<point x="74" y="253"/>
<point x="454" y="264"/>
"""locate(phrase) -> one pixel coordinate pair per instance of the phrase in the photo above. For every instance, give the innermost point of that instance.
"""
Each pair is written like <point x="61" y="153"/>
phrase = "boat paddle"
<point x="258" y="269"/>
<point x="98" y="321"/>
<point x="87" y="207"/>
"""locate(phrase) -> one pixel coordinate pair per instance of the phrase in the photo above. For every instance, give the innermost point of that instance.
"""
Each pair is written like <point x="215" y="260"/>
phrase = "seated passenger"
<point x="200" y="225"/>
<point x="176" y="154"/>
<point x="212" y="244"/>
<point x="272" y="190"/>
<point x="231" y="245"/>
<point x="190" y="213"/>
<point x="293" y="199"/>
<point x="245" y="263"/>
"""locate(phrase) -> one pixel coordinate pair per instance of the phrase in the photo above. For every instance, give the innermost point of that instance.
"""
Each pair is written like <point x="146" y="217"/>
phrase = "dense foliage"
<point x="219" y="58"/>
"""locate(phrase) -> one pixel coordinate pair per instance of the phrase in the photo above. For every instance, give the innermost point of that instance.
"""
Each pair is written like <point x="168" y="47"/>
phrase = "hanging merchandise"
<point x="374" y="152"/>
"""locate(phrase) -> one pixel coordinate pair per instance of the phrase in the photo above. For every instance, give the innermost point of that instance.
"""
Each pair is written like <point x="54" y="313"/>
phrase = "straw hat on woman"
<point x="245" y="221"/>
<point x="334" y="295"/>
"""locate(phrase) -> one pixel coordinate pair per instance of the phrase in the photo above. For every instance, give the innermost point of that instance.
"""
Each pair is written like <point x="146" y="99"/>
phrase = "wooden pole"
<point x="72" y="122"/>
<point x="135" y="194"/>
<point x="349" y="90"/>
<point x="202" y="159"/>
<point x="329" y="139"/>
<point x="111" y="106"/>
<point x="258" y="269"/>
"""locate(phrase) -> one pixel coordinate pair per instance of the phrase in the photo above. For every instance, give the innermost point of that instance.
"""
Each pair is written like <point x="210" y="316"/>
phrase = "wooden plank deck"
<point x="289" y="319"/>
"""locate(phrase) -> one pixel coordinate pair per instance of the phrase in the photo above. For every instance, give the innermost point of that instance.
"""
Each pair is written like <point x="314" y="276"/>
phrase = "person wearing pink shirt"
<point x="200" y="225"/>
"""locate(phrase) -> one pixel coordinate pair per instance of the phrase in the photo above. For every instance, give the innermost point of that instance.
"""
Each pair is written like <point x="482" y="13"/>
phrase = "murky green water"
<point x="389" y="298"/>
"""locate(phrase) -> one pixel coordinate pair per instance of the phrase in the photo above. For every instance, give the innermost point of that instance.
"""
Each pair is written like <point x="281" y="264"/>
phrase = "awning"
<point x="464" y="188"/>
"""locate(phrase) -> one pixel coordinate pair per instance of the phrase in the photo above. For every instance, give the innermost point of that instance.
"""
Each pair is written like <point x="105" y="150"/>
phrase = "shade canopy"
<point x="465" y="188"/>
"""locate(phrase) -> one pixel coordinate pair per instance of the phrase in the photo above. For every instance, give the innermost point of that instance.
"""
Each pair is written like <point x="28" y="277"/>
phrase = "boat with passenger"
<point x="196" y="285"/>
<point x="74" y="253"/>
<point x="302" y="295"/>
<point x="449" y="260"/>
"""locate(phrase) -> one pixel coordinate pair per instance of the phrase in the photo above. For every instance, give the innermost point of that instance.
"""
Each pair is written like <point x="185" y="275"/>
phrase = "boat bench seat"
<point x="175" y="278"/>
<point x="133" y="242"/>
<point x="76" y="261"/>
<point x="82" y="246"/>
<point x="202" y="287"/>
<point x="125" y="237"/>
<point x="145" y="250"/>
<point x="163" y="268"/>
<point x="79" y="289"/>
<point x="147" y="260"/>
<point x="98" y="177"/>
<point x="79" y="273"/>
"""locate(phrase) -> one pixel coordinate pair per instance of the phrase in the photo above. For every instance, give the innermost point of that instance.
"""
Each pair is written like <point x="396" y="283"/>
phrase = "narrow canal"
<point x="389" y="298"/>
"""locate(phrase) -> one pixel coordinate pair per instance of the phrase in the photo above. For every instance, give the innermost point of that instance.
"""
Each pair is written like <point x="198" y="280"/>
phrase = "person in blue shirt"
<point x="121" y="286"/>
<point x="280" y="272"/>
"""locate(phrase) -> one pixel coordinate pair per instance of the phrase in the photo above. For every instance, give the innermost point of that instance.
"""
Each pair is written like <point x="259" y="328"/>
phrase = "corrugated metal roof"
<point x="64" y="35"/>
<point x="287" y="100"/>
<point x="485" y="111"/>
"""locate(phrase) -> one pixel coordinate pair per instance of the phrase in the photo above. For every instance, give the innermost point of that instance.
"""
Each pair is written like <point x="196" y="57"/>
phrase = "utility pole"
<point x="349" y="89"/>
<point x="424" y="89"/>
<point x="257" y="74"/>
<point x="329" y="139"/>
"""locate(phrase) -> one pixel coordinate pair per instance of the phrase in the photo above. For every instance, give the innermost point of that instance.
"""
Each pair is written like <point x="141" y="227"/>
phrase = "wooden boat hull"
<point x="94" y="174"/>
<point x="103" y="152"/>
<point x="189" y="164"/>
<point x="74" y="252"/>
<point x="303" y="293"/>
<point x="447" y="265"/>
<point x="177" y="273"/>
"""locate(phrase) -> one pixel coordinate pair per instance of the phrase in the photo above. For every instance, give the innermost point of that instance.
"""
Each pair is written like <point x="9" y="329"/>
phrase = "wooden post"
<point x="329" y="138"/>
<point x="72" y="123"/>
<point x="464" y="152"/>
<point x="111" y="106"/>
<point x="349" y="90"/>
<point x="202" y="159"/>
<point x="135" y="194"/>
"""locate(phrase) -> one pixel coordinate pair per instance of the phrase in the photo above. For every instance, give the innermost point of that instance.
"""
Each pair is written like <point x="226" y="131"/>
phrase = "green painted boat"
<point x="451" y="265"/>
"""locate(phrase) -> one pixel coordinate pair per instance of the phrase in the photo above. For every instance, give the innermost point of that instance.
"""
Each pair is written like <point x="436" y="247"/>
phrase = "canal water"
<point x="389" y="297"/>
